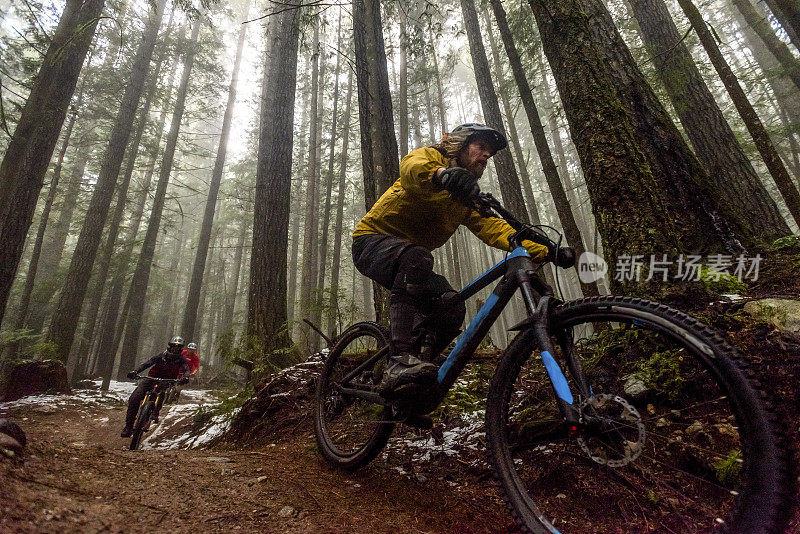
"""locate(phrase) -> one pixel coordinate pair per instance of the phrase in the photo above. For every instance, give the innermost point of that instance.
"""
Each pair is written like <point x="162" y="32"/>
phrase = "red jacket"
<point x="192" y="360"/>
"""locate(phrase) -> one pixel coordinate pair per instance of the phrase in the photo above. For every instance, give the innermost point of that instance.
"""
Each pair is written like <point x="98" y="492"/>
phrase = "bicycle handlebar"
<point x="139" y="377"/>
<point x="488" y="206"/>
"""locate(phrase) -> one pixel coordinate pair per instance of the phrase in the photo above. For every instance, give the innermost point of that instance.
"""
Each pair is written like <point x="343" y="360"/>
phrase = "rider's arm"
<point x="417" y="169"/>
<point x="149" y="363"/>
<point x="496" y="233"/>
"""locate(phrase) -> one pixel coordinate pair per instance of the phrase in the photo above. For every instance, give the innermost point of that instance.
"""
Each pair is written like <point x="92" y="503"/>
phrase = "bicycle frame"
<point x="516" y="271"/>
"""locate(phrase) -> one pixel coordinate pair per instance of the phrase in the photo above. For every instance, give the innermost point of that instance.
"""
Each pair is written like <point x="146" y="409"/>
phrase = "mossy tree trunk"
<point x="628" y="203"/>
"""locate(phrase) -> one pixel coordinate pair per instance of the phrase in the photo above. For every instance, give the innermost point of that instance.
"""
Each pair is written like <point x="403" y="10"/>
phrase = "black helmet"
<point x="474" y="130"/>
<point x="176" y="343"/>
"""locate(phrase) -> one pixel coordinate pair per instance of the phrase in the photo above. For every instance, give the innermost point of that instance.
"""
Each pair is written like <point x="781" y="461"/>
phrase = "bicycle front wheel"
<point x="674" y="435"/>
<point x="142" y="422"/>
<point x="350" y="430"/>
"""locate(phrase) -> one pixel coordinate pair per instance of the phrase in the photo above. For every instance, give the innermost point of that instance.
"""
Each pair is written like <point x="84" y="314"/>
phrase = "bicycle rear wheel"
<point x="351" y="431"/>
<point x="141" y="424"/>
<point x="675" y="435"/>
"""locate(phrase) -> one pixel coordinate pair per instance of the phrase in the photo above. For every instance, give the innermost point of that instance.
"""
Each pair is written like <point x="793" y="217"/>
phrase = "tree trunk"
<point x="629" y="206"/>
<point x="230" y="301"/>
<point x="563" y="209"/>
<point x="267" y="297"/>
<point x="509" y="180"/>
<point x="337" y="229"/>
<point x="779" y="15"/>
<point x="380" y="161"/>
<point x="745" y="196"/>
<point x="762" y="141"/>
<point x="192" y="300"/>
<point x="761" y="26"/>
<point x="686" y="190"/>
<point x="112" y="322"/>
<point x="141" y="275"/>
<point x="402" y="99"/>
<point x="308" y="277"/>
<point x="790" y="10"/>
<point x="65" y="318"/>
<point x="326" y="212"/>
<point x="28" y="153"/>
<point x="30" y="277"/>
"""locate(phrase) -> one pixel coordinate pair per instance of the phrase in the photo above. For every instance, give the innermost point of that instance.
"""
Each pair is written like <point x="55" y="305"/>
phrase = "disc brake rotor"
<point x="614" y="434"/>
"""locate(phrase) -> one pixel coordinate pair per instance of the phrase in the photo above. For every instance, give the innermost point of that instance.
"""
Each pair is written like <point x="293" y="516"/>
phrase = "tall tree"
<point x="549" y="168"/>
<point x="65" y="318"/>
<point x="629" y="206"/>
<point x="30" y="277"/>
<point x="379" y="153"/>
<point x="193" y="298"/>
<point x="308" y="277"/>
<point x="141" y="275"/>
<point x="790" y="11"/>
<point x="509" y="180"/>
<point x="113" y="322"/>
<point x="266" y="322"/>
<point x="28" y="153"/>
<point x="784" y="22"/>
<point x="772" y="160"/>
<point x="687" y="191"/>
<point x="732" y="173"/>
<point x="326" y="212"/>
<point x="337" y="228"/>
<point x="761" y="26"/>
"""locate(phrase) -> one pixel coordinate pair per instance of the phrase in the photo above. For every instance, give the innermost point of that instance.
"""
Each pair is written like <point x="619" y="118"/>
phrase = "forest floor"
<point x="78" y="476"/>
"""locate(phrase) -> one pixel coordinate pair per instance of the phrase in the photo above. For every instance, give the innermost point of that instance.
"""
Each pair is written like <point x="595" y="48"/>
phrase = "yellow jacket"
<point x="416" y="210"/>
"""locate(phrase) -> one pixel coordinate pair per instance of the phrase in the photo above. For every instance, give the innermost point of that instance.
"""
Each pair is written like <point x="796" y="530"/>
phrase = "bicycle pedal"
<point x="424" y="422"/>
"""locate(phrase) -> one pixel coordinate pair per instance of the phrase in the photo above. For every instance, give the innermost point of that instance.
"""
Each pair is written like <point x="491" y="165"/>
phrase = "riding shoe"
<point x="404" y="373"/>
<point x="126" y="432"/>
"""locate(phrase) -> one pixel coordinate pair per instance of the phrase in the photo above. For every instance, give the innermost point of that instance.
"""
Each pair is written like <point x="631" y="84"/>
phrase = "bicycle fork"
<point x="539" y="322"/>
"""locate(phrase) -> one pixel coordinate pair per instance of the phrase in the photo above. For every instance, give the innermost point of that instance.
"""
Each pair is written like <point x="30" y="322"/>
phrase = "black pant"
<point x="406" y="270"/>
<point x="136" y="399"/>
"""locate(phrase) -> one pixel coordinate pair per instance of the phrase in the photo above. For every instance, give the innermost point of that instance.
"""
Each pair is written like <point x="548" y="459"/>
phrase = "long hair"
<point x="451" y="144"/>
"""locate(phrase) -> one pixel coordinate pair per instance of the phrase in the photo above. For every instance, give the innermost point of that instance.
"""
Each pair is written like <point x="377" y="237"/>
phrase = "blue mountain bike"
<point x="604" y="414"/>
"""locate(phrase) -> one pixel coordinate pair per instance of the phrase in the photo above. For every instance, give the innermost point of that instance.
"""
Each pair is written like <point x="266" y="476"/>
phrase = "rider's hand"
<point x="183" y="381"/>
<point x="131" y="375"/>
<point x="462" y="184"/>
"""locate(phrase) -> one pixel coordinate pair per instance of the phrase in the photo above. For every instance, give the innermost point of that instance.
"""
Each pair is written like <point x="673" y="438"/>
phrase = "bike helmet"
<point x="473" y="130"/>
<point x="176" y="343"/>
<point x="191" y="346"/>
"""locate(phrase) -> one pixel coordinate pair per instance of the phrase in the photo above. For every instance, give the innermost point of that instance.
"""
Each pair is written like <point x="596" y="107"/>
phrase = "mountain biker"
<point x="192" y="360"/>
<point x="392" y="244"/>
<point x="167" y="364"/>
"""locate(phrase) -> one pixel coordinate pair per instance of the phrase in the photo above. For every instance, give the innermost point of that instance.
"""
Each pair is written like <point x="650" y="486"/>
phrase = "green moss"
<point x="661" y="372"/>
<point x="469" y="393"/>
<point x="720" y="283"/>
<point x="233" y="400"/>
<point x="729" y="468"/>
<point x="789" y="241"/>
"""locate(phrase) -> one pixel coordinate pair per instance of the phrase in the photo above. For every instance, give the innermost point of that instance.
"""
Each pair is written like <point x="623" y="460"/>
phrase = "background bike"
<point x="657" y="425"/>
<point x="149" y="406"/>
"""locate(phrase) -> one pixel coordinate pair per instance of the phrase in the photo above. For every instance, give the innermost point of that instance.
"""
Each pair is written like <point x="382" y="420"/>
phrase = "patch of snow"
<point x="732" y="296"/>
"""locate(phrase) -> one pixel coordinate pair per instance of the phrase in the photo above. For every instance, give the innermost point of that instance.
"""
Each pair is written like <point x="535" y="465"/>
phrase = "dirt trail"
<point x="78" y="476"/>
